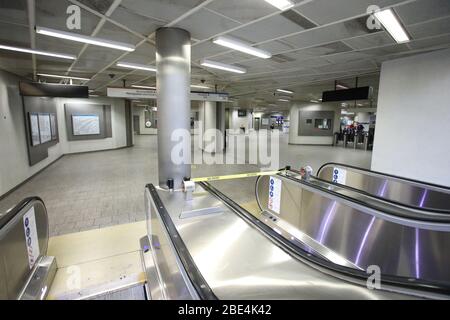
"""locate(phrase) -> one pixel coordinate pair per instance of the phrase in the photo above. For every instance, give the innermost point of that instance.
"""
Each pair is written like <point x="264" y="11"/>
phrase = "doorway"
<point x="136" y="125"/>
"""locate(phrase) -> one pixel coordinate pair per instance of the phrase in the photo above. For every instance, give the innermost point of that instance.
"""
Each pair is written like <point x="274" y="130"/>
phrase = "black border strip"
<point x="383" y="174"/>
<point x="197" y="280"/>
<point x="297" y="252"/>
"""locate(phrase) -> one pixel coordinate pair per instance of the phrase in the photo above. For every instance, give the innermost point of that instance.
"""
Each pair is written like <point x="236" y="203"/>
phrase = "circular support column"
<point x="173" y="64"/>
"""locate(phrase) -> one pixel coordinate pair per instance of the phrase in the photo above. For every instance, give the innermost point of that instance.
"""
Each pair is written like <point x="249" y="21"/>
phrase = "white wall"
<point x="14" y="167"/>
<point x="412" y="137"/>
<point x="294" y="138"/>
<point x="236" y="122"/>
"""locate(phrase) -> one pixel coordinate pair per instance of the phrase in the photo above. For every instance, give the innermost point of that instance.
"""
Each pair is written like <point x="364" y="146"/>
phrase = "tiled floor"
<point x="95" y="190"/>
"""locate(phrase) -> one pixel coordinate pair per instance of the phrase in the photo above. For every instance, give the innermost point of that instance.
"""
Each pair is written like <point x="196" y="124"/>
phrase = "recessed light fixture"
<point x="392" y="25"/>
<point x="340" y="86"/>
<point x="285" y="91"/>
<point x="85" y="39"/>
<point x="241" y="46"/>
<point x="281" y="4"/>
<point x="137" y="66"/>
<point x="142" y="87"/>
<point x="199" y="86"/>
<point x="39" y="52"/>
<point x="46" y="75"/>
<point x="222" y="66"/>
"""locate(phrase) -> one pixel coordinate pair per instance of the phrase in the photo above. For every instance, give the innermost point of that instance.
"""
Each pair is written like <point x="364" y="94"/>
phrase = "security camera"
<point x="203" y="81"/>
<point x="111" y="75"/>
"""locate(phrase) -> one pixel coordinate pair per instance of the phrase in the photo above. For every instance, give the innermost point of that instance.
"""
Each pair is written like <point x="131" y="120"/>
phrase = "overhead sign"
<point x="131" y="93"/>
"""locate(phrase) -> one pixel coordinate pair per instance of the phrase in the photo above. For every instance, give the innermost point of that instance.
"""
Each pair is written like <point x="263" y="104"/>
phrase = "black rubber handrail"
<point x="384" y="174"/>
<point x="444" y="214"/>
<point x="299" y="253"/>
<point x="196" y="278"/>
<point x="10" y="214"/>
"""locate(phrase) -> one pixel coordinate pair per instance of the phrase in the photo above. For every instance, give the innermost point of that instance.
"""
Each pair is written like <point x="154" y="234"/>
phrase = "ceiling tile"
<point x="423" y="10"/>
<point x="242" y="10"/>
<point x="135" y="21"/>
<point x="204" y="24"/>
<point x="428" y="29"/>
<point x="370" y="41"/>
<point x="14" y="12"/>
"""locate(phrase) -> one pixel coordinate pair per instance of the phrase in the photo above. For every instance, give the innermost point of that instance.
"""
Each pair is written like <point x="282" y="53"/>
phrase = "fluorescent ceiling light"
<point x="85" y="39"/>
<point x="341" y="86"/>
<point x="281" y="4"/>
<point x="135" y="66"/>
<point x="392" y="25"/>
<point x="241" y="46"/>
<point x="314" y="101"/>
<point x="284" y="100"/>
<point x="93" y="95"/>
<point x="199" y="86"/>
<point x="285" y="91"/>
<point x="61" y="77"/>
<point x="222" y="66"/>
<point x="39" y="52"/>
<point x="142" y="87"/>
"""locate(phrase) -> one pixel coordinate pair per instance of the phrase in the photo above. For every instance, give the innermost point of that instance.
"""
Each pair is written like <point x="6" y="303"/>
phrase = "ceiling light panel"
<point x="39" y="52"/>
<point x="281" y="4"/>
<point x="136" y="66"/>
<point x="241" y="46"/>
<point x="46" y="75"/>
<point x="392" y="25"/>
<point x="222" y="66"/>
<point x="85" y="39"/>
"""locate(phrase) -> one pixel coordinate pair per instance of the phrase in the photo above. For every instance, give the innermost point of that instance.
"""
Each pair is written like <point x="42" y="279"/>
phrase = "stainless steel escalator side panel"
<point x="238" y="261"/>
<point x="15" y="269"/>
<point x="361" y="235"/>
<point x="172" y="280"/>
<point x="401" y="190"/>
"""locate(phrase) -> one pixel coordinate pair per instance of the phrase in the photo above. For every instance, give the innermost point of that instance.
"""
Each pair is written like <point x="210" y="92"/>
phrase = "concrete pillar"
<point x="212" y="115"/>
<point x="173" y="64"/>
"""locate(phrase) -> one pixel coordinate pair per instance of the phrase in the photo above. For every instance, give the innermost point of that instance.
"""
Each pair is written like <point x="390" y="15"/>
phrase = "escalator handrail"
<point x="420" y="183"/>
<point x="443" y="219"/>
<point x="298" y="253"/>
<point x="11" y="213"/>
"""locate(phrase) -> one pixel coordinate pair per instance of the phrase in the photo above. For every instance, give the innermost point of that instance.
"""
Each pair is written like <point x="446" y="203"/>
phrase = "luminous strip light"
<point x="143" y="87"/>
<point x="241" y="46"/>
<point x="199" y="86"/>
<point x="285" y="91"/>
<point x="392" y="25"/>
<point x="283" y="100"/>
<point x="39" y="52"/>
<point x="314" y="101"/>
<point x="222" y="66"/>
<point x="85" y="39"/>
<point x="341" y="86"/>
<point x="281" y="4"/>
<point x="137" y="66"/>
<point x="61" y="77"/>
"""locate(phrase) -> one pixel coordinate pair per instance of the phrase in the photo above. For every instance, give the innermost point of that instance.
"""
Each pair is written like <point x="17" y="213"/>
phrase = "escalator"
<point x="400" y="190"/>
<point x="320" y="241"/>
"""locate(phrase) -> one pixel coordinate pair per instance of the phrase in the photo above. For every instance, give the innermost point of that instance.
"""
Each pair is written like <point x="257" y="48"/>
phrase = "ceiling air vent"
<point x="281" y="58"/>
<point x="298" y="19"/>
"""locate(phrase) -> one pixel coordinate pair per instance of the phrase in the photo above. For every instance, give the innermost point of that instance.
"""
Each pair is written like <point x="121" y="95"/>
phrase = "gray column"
<point x="173" y="64"/>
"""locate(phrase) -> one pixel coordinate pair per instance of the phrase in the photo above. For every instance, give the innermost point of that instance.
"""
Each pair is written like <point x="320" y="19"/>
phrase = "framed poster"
<point x="34" y="129"/>
<point x="44" y="127"/>
<point x="53" y="126"/>
<point x="85" y="124"/>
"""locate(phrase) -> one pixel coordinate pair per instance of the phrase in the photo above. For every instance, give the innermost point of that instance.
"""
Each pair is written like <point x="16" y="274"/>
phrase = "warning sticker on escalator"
<point x="274" y="194"/>
<point x="339" y="175"/>
<point x="31" y="237"/>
